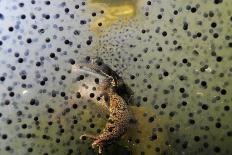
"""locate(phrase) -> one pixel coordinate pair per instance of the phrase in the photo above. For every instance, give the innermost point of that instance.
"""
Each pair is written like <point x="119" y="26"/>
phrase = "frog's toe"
<point x="84" y="136"/>
<point x="100" y="149"/>
<point x="97" y="144"/>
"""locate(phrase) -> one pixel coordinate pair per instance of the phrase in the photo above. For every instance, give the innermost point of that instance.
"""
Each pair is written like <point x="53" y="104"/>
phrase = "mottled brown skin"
<point x="119" y="114"/>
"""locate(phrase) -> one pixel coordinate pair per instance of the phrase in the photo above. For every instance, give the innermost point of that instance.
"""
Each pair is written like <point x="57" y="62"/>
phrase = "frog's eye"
<point x="98" y="61"/>
<point x="94" y="60"/>
<point x="87" y="58"/>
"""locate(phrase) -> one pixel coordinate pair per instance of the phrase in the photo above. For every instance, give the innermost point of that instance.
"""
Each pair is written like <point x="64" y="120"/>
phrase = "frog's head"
<point x="94" y="60"/>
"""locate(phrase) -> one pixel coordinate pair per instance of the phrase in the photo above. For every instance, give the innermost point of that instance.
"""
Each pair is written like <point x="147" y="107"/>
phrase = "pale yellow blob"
<point x="113" y="11"/>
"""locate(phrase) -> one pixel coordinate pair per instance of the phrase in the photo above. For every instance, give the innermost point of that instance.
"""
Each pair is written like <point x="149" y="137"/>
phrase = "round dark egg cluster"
<point x="174" y="55"/>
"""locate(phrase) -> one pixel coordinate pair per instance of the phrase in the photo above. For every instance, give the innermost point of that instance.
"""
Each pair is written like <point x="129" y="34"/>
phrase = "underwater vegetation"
<point x="174" y="55"/>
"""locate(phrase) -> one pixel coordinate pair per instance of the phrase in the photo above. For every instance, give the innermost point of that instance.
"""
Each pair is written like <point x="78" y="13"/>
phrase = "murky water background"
<point x="175" y="55"/>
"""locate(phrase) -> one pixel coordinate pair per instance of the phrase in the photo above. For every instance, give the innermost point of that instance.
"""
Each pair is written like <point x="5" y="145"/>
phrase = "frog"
<point x="116" y="97"/>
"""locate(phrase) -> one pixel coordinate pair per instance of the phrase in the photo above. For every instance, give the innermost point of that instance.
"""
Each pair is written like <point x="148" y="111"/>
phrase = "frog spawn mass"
<point x="174" y="55"/>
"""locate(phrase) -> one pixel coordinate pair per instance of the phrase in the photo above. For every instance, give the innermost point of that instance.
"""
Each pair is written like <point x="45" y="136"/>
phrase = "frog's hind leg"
<point x="99" y="144"/>
<point x="96" y="142"/>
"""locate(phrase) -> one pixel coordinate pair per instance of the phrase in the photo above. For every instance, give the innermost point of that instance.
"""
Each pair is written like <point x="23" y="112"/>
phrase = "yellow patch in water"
<point x="143" y="130"/>
<point x="113" y="11"/>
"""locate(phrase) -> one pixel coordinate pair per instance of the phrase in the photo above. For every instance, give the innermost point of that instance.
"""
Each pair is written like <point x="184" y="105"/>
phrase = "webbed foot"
<point x="96" y="142"/>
